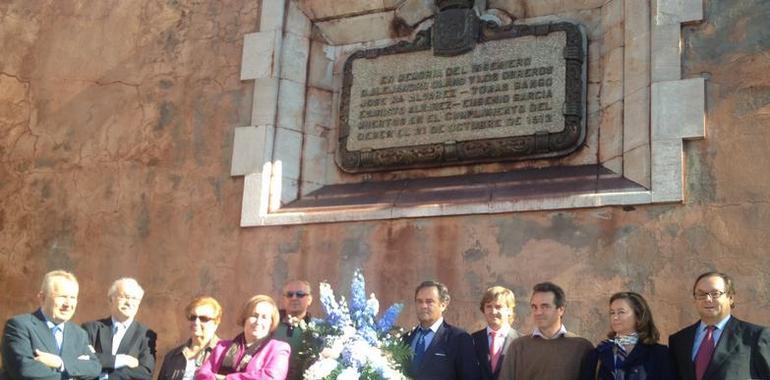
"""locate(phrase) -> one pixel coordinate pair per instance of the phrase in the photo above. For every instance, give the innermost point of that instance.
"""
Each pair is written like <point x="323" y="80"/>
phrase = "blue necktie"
<point x="58" y="335"/>
<point x="419" y="348"/>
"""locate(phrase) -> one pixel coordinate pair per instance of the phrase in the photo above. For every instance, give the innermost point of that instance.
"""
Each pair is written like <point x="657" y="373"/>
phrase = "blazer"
<point x="270" y="362"/>
<point x="449" y="356"/>
<point x="25" y="333"/>
<point x="742" y="352"/>
<point x="175" y="363"/>
<point x="139" y="342"/>
<point x="644" y="362"/>
<point x="481" y="345"/>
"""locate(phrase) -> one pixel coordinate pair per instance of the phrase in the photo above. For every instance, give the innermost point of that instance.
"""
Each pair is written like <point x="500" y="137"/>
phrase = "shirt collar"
<point x="562" y="331"/>
<point x="719" y="325"/>
<point x="503" y="331"/>
<point x="434" y="327"/>
<point x="50" y="323"/>
<point x="125" y="324"/>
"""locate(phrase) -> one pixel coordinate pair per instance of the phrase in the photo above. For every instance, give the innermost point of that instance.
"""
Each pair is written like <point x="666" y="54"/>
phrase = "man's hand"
<point x="126" y="360"/>
<point x="48" y="359"/>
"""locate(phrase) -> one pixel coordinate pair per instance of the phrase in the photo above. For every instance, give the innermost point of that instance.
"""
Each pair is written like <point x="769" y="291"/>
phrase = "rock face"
<point x="116" y="124"/>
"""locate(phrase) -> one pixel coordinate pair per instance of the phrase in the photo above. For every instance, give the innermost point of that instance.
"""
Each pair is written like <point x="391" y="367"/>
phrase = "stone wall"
<point x="116" y="130"/>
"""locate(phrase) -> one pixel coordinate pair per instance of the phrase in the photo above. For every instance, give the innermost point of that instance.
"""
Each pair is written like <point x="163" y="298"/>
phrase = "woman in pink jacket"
<point x="252" y="355"/>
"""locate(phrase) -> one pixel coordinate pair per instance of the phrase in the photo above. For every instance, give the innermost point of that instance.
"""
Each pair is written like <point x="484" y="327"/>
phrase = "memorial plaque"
<point x="519" y="94"/>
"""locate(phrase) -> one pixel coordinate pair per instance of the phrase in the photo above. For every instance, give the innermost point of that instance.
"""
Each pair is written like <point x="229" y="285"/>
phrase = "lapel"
<point x="482" y="342"/>
<point x="435" y="343"/>
<point x="512" y="335"/>
<point x="728" y="342"/>
<point x="685" y="350"/>
<point x="44" y="334"/>
<point x="636" y="355"/>
<point x="104" y="336"/>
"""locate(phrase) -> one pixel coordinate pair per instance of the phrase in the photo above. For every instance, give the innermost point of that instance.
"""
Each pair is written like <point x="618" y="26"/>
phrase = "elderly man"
<point x="296" y="298"/>
<point x="441" y="351"/>
<point x="720" y="346"/>
<point x="491" y="342"/>
<point x="125" y="347"/>
<point x="550" y="352"/>
<point x="44" y="344"/>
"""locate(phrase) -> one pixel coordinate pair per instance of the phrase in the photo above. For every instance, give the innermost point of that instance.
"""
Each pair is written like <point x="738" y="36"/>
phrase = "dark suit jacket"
<point x="450" y="356"/>
<point x="644" y="362"/>
<point x="27" y="332"/>
<point x="481" y="344"/>
<point x="742" y="352"/>
<point x="139" y="342"/>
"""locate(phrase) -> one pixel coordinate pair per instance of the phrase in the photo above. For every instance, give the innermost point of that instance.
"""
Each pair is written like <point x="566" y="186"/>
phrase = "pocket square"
<point x="84" y="357"/>
<point x="439" y="354"/>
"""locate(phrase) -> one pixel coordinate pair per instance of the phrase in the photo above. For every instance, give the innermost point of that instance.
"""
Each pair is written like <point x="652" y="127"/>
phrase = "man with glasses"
<point x="296" y="298"/>
<point x="45" y="344"/>
<point x="720" y="346"/>
<point x="125" y="347"/>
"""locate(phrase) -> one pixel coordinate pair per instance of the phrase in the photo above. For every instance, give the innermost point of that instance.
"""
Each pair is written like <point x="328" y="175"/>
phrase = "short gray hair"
<point x="125" y="281"/>
<point x="443" y="292"/>
<point x="45" y="286"/>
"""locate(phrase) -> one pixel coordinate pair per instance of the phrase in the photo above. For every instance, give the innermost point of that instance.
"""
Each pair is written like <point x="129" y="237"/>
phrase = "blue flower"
<point x="388" y="319"/>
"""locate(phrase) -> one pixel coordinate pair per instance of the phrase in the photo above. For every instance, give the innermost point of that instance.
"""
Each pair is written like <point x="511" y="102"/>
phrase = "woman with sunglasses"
<point x="631" y="351"/>
<point x="181" y="363"/>
<point x="252" y="354"/>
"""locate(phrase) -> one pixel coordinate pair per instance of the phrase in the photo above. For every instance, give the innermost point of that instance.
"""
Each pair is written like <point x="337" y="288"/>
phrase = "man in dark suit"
<point x="125" y="347"/>
<point x="720" y="346"/>
<point x="492" y="342"/>
<point x="44" y="344"/>
<point x="297" y="297"/>
<point x="441" y="351"/>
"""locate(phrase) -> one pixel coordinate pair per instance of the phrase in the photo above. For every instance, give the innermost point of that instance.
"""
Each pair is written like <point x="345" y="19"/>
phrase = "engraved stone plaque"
<point x="520" y="94"/>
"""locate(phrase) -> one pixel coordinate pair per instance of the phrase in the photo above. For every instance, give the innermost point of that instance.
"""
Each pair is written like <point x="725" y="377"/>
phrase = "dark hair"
<point x="559" y="299"/>
<point x="645" y="326"/>
<point x="443" y="292"/>
<point x="729" y="286"/>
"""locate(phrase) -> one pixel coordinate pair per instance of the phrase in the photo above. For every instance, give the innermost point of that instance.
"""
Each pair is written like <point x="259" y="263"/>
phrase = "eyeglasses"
<point x="298" y="294"/>
<point x="202" y="318"/>
<point x="714" y="294"/>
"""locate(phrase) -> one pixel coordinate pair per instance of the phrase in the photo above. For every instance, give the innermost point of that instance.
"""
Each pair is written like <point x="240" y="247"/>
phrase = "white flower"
<point x="320" y="369"/>
<point x="348" y="374"/>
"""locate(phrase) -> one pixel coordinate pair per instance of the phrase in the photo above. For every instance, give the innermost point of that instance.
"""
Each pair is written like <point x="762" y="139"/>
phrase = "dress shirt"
<point x="562" y="331"/>
<point x="428" y="335"/>
<point x="118" y="332"/>
<point x="500" y="337"/>
<point x="700" y="333"/>
<point x="51" y="325"/>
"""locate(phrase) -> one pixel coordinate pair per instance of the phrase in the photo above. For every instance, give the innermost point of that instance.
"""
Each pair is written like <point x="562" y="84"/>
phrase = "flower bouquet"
<point x="349" y="344"/>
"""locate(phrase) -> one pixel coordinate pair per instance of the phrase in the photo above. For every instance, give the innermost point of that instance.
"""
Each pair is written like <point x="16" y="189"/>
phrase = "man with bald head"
<point x="45" y="344"/>
<point x="125" y="347"/>
<point x="296" y="297"/>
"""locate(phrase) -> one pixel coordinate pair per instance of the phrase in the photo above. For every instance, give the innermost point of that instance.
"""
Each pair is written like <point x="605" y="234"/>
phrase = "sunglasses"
<point x="298" y="294"/>
<point x="202" y="318"/>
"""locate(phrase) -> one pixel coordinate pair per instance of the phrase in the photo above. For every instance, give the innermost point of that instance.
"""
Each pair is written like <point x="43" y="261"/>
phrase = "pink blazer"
<point x="271" y="362"/>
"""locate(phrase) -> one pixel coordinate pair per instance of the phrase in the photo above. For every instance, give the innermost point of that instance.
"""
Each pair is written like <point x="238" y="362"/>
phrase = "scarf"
<point x="229" y="364"/>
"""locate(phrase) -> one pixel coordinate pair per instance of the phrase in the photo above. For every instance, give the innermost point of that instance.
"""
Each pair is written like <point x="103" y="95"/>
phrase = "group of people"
<point x="45" y="344"/>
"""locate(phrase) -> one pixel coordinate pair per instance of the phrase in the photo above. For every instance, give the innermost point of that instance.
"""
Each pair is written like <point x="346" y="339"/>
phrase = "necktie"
<point x="58" y="335"/>
<point x="419" y="348"/>
<point x="620" y="356"/>
<point x="703" y="357"/>
<point x="494" y="351"/>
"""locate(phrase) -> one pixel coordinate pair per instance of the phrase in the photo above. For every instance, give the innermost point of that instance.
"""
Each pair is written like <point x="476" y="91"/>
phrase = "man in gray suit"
<point x="45" y="344"/>
<point x="492" y="342"/>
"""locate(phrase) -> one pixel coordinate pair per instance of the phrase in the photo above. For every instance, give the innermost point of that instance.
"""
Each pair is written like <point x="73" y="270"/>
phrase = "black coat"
<point x="139" y="342"/>
<point x="449" y="356"/>
<point x="644" y="362"/>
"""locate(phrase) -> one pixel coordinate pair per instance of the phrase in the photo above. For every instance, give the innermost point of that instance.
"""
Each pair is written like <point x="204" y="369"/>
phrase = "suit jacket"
<point x="25" y="333"/>
<point x="139" y="342"/>
<point x="644" y="362"/>
<point x="449" y="356"/>
<point x="742" y="352"/>
<point x="481" y="345"/>
<point x="270" y="362"/>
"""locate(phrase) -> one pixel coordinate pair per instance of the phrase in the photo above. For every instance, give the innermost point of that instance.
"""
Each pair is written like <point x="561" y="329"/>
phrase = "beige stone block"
<point x="613" y="13"/>
<point x="289" y="190"/>
<point x="613" y="25"/>
<point x="665" y="53"/>
<point x="637" y="18"/>
<point x="259" y="59"/>
<point x="320" y="72"/>
<point x="678" y="109"/>
<point x="543" y="7"/>
<point x="431" y="210"/>
<point x="516" y="8"/>
<point x="294" y="57"/>
<point x="636" y="119"/>
<point x="265" y="101"/>
<point x="314" y="156"/>
<point x="318" y="112"/>
<point x="414" y="11"/>
<point x="367" y="27"/>
<point x="271" y="15"/>
<point x="307" y="187"/>
<point x="614" y="164"/>
<point x="666" y="170"/>
<point x="252" y="147"/>
<point x="291" y="105"/>
<point x="673" y="12"/>
<point x="256" y="196"/>
<point x="331" y="9"/>
<point x="288" y="150"/>
<point x="636" y="73"/>
<point x="592" y="134"/>
<point x="296" y="20"/>
<point x="612" y="78"/>
<point x="636" y="165"/>
<point x="593" y="93"/>
<point x="594" y="70"/>
<point x="611" y="133"/>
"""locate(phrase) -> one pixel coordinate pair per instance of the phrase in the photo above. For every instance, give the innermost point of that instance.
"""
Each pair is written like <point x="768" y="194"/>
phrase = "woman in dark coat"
<point x="631" y="351"/>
